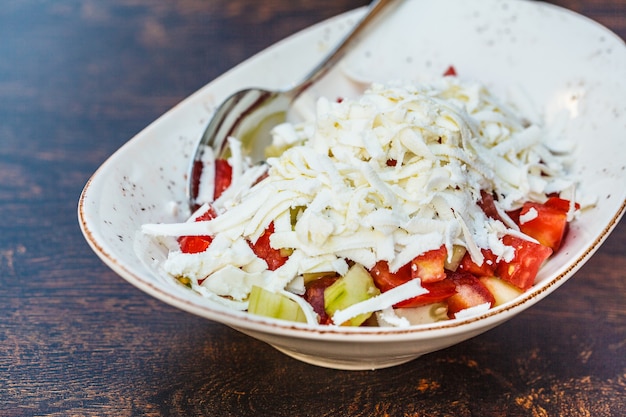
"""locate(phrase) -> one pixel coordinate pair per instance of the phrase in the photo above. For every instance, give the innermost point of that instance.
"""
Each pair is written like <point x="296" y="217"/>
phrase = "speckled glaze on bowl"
<point x="563" y="61"/>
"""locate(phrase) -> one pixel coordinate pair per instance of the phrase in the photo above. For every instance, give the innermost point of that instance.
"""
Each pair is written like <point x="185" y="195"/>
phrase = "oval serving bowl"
<point x="565" y="63"/>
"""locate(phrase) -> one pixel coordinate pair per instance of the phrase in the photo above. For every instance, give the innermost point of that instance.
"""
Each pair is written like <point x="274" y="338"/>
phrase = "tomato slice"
<point x="514" y="215"/>
<point x="469" y="292"/>
<point x="429" y="266"/>
<point x="386" y="280"/>
<point x="223" y="177"/>
<point x="314" y="294"/>
<point x="437" y="291"/>
<point x="549" y="224"/>
<point x="560" y="203"/>
<point x="487" y="269"/>
<point x="522" y="270"/>
<point x="450" y="72"/>
<point x="196" y="244"/>
<point x="274" y="257"/>
<point x="488" y="205"/>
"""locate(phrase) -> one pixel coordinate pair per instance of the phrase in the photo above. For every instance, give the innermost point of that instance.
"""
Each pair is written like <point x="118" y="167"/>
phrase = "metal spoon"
<point x="251" y="113"/>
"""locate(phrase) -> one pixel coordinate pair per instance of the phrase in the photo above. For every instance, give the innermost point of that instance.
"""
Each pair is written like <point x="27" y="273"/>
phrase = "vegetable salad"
<point x="412" y="203"/>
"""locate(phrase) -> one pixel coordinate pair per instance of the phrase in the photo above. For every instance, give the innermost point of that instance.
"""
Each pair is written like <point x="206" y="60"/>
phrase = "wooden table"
<point x="77" y="80"/>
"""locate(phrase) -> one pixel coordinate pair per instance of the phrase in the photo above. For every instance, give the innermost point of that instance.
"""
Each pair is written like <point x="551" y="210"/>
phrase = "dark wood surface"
<point x="78" y="79"/>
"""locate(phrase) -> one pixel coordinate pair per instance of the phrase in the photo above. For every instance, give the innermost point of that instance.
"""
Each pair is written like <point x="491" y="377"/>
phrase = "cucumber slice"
<point x="458" y="252"/>
<point x="356" y="286"/>
<point x="270" y="304"/>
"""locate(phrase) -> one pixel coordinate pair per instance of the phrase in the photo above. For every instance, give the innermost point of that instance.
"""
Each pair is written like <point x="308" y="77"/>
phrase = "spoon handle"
<point x="374" y="10"/>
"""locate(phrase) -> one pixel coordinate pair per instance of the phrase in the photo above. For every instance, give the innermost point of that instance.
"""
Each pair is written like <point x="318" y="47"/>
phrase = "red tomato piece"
<point x="560" y="203"/>
<point x="548" y="225"/>
<point x="429" y="266"/>
<point x="210" y="214"/>
<point x="470" y="292"/>
<point x="196" y="244"/>
<point x="514" y="215"/>
<point x="487" y="204"/>
<point x="392" y="162"/>
<point x="437" y="291"/>
<point x="451" y="71"/>
<point x="522" y="270"/>
<point x="274" y="258"/>
<point x="314" y="294"/>
<point x="386" y="280"/>
<point x="223" y="177"/>
<point x="487" y="269"/>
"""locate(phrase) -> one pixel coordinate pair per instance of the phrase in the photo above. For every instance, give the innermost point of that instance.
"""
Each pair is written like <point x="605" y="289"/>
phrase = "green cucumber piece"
<point x="270" y="304"/>
<point x="356" y="286"/>
<point x="458" y="252"/>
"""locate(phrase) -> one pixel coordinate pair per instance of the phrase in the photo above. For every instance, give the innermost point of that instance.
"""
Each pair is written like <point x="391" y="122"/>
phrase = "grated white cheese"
<point x="472" y="311"/>
<point x="388" y="176"/>
<point x="388" y="317"/>
<point x="531" y="214"/>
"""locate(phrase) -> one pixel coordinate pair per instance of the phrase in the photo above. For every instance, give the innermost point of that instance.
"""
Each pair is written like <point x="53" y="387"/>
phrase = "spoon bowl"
<point x="250" y="114"/>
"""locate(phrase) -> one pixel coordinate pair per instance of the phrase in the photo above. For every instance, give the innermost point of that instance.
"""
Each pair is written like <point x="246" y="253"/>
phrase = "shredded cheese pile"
<point x="388" y="176"/>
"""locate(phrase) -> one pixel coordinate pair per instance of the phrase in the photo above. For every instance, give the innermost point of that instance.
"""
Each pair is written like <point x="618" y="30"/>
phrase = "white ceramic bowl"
<point x="562" y="60"/>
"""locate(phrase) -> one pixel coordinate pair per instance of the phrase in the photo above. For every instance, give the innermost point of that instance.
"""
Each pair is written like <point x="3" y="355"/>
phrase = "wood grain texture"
<point x="77" y="80"/>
